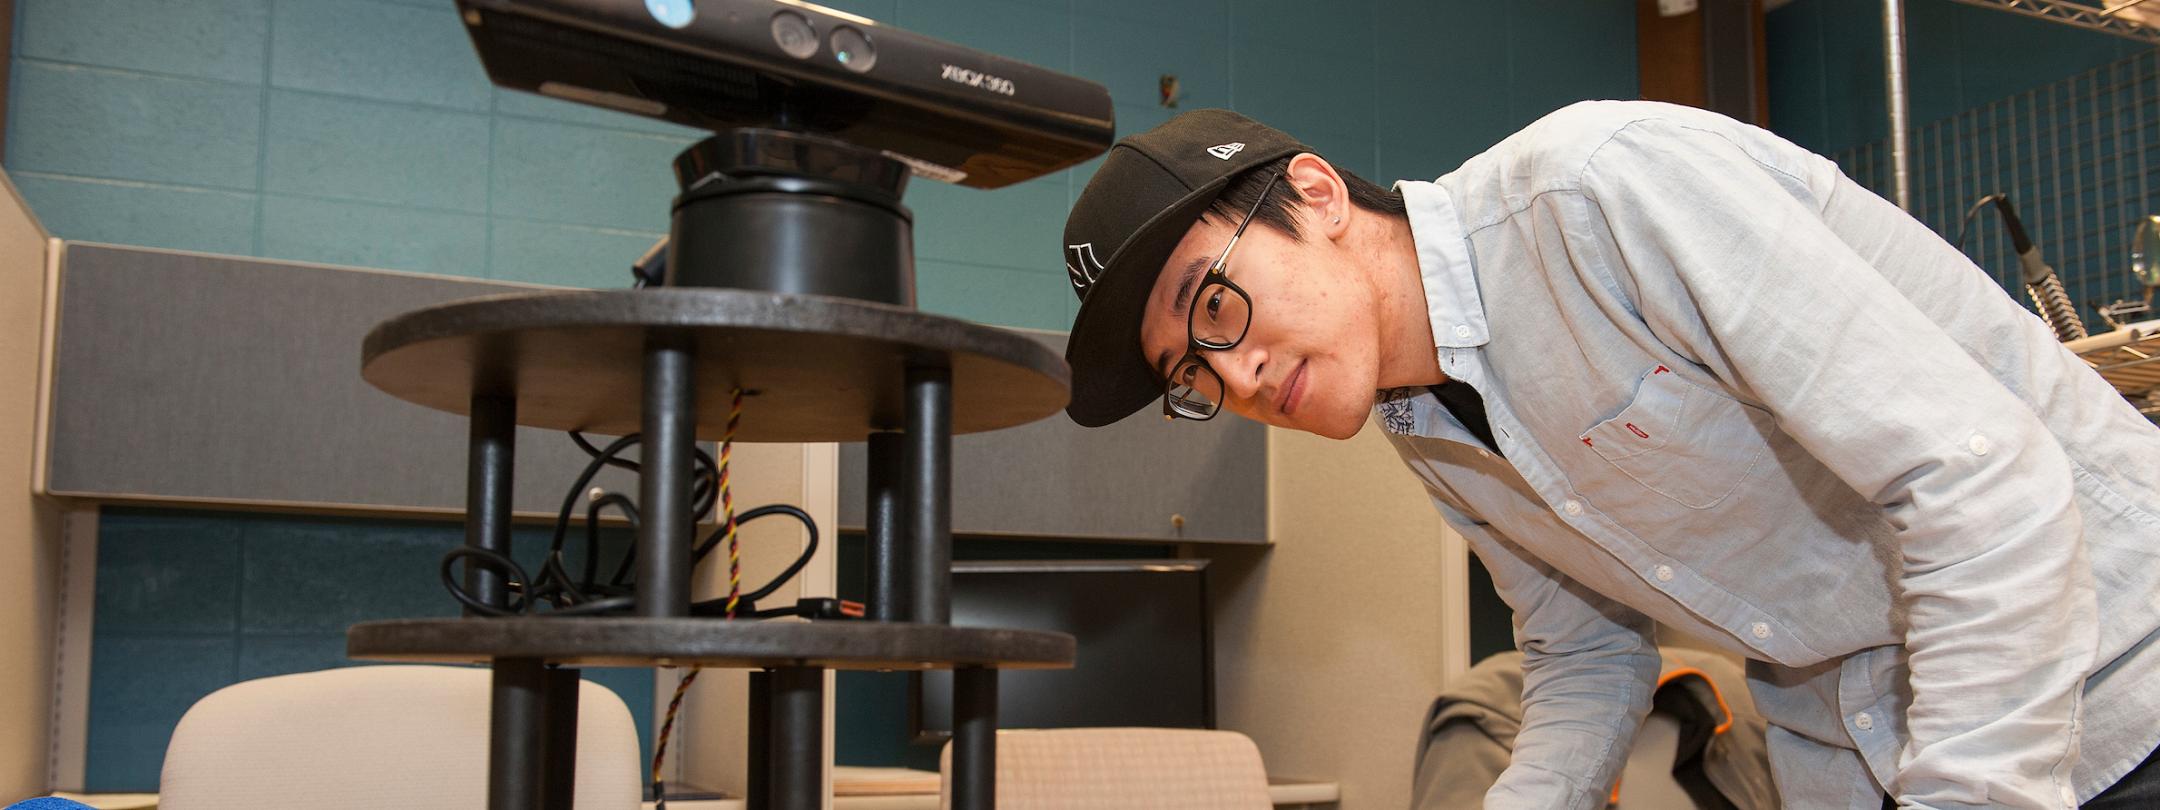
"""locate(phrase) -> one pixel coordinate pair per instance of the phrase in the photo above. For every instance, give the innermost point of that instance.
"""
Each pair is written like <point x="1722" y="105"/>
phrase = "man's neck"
<point x="1407" y="352"/>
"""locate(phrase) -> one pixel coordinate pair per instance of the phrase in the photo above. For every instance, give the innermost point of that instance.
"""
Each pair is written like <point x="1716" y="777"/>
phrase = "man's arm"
<point x="1589" y="667"/>
<point x="1731" y="263"/>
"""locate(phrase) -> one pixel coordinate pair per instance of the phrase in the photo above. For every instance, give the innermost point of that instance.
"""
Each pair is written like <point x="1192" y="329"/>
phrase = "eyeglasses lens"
<point x="1195" y="391"/>
<point x="1220" y="316"/>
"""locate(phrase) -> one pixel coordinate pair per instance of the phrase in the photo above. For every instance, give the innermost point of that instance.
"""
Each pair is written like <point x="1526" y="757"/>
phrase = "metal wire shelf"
<point x="2107" y="19"/>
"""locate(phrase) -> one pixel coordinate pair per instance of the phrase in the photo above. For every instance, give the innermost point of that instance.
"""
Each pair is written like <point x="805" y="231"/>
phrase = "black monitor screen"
<point x="1143" y="644"/>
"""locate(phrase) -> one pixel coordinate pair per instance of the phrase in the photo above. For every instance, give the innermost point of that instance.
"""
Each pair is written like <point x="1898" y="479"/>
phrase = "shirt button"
<point x="1572" y="507"/>
<point x="1664" y="573"/>
<point x="1863" y="721"/>
<point x="1978" y="444"/>
<point x="1462" y="330"/>
<point x="1760" y="629"/>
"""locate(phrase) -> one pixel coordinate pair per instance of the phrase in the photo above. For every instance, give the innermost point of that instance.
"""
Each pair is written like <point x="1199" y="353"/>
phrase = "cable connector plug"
<point x="826" y="607"/>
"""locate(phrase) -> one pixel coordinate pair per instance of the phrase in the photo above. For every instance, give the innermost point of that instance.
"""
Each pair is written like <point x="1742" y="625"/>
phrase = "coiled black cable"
<point x="582" y="593"/>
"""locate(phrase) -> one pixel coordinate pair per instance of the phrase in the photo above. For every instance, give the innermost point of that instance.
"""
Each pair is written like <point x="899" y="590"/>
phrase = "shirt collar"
<point x="1443" y="253"/>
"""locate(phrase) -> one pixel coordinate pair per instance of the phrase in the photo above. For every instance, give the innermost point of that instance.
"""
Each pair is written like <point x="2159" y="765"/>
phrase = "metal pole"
<point x="1894" y="80"/>
<point x="559" y="782"/>
<point x="489" y="459"/>
<point x="974" y="747"/>
<point x="517" y="732"/>
<point x="927" y="494"/>
<point x="883" y="524"/>
<point x="798" y="738"/>
<point x="757" y="792"/>
<point x="664" y="519"/>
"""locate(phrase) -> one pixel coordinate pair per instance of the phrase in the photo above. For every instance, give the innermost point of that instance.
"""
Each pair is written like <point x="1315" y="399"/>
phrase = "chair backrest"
<point x="373" y="737"/>
<point x="1123" y="769"/>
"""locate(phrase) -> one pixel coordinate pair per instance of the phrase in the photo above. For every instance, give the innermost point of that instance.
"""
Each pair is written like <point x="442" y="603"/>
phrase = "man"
<point x="1660" y="366"/>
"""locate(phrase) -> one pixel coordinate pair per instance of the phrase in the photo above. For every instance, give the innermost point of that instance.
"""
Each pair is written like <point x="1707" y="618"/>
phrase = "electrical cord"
<point x="1965" y="224"/>
<point x="581" y="593"/>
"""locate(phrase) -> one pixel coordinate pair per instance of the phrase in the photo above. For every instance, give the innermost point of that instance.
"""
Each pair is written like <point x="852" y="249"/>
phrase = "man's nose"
<point x="1239" y="367"/>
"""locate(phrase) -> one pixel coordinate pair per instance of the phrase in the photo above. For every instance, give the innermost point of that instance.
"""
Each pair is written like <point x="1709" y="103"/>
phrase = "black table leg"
<point x="798" y="738"/>
<point x="974" y="746"/>
<point x="757" y="773"/>
<point x="489" y="458"/>
<point x="517" y="734"/>
<point x="664" y="507"/>
<point x="927" y="495"/>
<point x="883" y="526"/>
<point x="559" y="788"/>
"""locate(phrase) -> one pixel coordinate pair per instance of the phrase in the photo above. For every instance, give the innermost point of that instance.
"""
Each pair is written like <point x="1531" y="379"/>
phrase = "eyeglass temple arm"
<point x="1217" y="267"/>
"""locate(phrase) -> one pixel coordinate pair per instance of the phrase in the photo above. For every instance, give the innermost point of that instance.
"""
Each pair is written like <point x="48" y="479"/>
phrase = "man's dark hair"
<point x="1238" y="196"/>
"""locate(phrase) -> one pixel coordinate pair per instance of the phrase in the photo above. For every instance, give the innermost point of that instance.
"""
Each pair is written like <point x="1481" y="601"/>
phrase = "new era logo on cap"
<point x="1226" y="150"/>
<point x="1082" y="265"/>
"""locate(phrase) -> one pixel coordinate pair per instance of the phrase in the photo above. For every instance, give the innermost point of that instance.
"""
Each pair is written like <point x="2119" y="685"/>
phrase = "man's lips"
<point x="1293" y="390"/>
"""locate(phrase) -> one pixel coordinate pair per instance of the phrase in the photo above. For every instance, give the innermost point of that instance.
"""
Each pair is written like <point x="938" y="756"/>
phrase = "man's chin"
<point x="1337" y="429"/>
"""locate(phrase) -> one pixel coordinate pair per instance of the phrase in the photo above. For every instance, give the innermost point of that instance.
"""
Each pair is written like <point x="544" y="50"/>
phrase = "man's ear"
<point x="1327" y="209"/>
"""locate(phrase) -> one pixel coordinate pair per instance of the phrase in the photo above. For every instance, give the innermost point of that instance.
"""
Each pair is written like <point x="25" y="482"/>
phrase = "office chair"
<point x="373" y="737"/>
<point x="1123" y="769"/>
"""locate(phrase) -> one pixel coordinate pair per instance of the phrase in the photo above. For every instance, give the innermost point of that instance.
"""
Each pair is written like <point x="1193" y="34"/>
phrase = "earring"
<point x="1338" y="220"/>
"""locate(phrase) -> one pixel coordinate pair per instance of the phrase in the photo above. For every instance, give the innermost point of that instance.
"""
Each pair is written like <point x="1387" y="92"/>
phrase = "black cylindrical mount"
<point x="757" y="773"/>
<point x="517" y="734"/>
<point x="559" y="778"/>
<point x="490" y="456"/>
<point x="781" y="211"/>
<point x="974" y="747"/>
<point x="664" y="505"/>
<point x="798" y="738"/>
<point x="884" y="520"/>
<point x="927" y="495"/>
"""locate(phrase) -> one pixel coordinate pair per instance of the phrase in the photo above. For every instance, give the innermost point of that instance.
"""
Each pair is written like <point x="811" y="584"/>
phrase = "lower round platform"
<point x="636" y="642"/>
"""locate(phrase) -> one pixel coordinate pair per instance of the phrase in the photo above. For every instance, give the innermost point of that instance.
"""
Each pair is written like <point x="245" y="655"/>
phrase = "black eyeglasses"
<point x="1221" y="313"/>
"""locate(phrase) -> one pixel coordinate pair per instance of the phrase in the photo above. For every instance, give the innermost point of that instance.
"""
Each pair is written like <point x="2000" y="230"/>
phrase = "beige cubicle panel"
<point x="711" y="748"/>
<point x="1331" y="643"/>
<point x="29" y="524"/>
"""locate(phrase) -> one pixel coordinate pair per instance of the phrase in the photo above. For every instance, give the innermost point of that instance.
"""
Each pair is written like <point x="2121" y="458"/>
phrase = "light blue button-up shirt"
<point x="1740" y="395"/>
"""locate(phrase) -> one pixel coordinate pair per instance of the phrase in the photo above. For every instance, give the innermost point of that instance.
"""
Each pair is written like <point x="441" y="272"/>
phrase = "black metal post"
<point x="516" y="734"/>
<point x="559" y="782"/>
<point x="757" y="794"/>
<point x="883" y="523"/>
<point x="488" y="461"/>
<point x="974" y="746"/>
<point x="664" y="518"/>
<point x="798" y="738"/>
<point x="927" y="495"/>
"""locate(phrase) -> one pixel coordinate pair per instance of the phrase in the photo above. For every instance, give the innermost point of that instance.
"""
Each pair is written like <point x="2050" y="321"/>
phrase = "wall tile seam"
<point x="487" y="254"/>
<point x="333" y="95"/>
<point x="128" y="182"/>
<point x="491" y="111"/>
<point x="1045" y="269"/>
<point x="262" y="141"/>
<point x="17" y="170"/>
<point x="261" y="195"/>
<point x="21" y="60"/>
<point x="497" y="112"/>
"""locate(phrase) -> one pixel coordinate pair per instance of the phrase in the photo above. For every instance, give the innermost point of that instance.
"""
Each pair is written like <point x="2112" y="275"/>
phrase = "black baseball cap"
<point x="1149" y="191"/>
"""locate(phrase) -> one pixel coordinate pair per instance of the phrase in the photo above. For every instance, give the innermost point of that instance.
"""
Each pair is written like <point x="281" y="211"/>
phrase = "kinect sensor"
<point x="951" y="113"/>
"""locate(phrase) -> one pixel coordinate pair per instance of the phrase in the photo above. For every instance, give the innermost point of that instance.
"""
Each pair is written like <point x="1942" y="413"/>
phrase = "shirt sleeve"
<point x="1589" y="667"/>
<point x="1731" y="262"/>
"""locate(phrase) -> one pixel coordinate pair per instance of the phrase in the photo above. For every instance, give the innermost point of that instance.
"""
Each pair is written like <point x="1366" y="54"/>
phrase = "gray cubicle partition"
<point x="190" y="378"/>
<point x="1144" y="478"/>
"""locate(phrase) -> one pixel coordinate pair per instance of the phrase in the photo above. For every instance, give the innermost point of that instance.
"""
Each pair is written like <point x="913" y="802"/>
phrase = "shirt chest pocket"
<point x="1680" y="440"/>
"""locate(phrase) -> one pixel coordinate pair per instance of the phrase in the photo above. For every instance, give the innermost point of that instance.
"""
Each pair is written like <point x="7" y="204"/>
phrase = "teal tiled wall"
<point x="364" y="132"/>
<point x="188" y="602"/>
<point x="1826" y="64"/>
